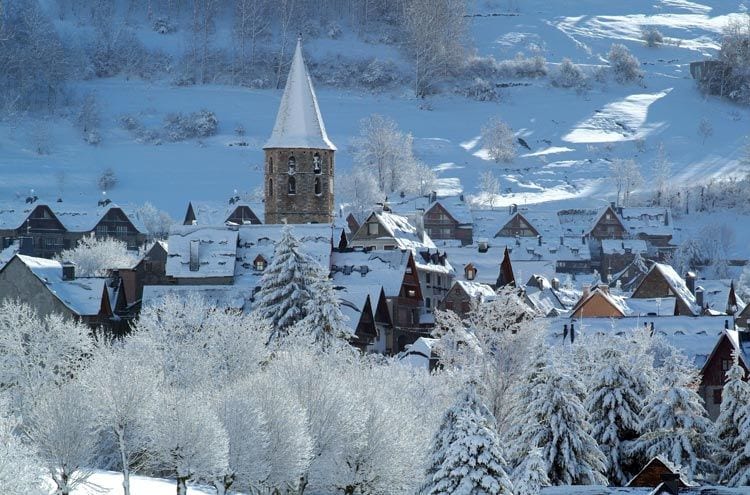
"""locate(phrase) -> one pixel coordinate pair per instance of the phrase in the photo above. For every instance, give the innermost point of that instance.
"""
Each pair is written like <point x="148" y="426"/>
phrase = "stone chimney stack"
<point x="68" y="270"/>
<point x="195" y="257"/>
<point x="690" y="282"/>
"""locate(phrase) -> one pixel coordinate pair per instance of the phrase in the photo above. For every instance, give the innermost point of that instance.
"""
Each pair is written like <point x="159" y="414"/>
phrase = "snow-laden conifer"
<point x="324" y="324"/>
<point x="615" y="407"/>
<point x="550" y="416"/>
<point x="466" y="456"/>
<point x="285" y="285"/>
<point x="732" y="428"/>
<point x="674" y="422"/>
<point x="531" y="475"/>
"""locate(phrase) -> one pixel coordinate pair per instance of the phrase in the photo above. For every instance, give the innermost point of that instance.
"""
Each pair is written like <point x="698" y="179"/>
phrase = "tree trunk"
<point x="124" y="460"/>
<point x="224" y="484"/>
<point x="182" y="485"/>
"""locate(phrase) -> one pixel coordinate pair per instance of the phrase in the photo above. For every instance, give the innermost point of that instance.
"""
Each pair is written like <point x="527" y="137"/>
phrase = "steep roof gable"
<point x="299" y="123"/>
<point x="522" y="221"/>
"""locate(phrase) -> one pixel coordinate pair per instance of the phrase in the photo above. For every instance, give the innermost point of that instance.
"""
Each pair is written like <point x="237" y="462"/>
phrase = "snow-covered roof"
<point x="419" y="353"/>
<point x="741" y="343"/>
<point x="622" y="246"/>
<point x="217" y="251"/>
<point x="404" y="233"/>
<point x="654" y="306"/>
<point x="487" y="223"/>
<point x="694" y="336"/>
<point x="7" y="254"/>
<point x="74" y="217"/>
<point x="487" y="264"/>
<point x="260" y="240"/>
<point x="454" y="205"/>
<point x="529" y="248"/>
<point x="677" y="284"/>
<point x="220" y="296"/>
<point x="374" y="269"/>
<point x="576" y="221"/>
<point x="604" y="490"/>
<point x="476" y="290"/>
<point x="299" y="123"/>
<point x="653" y="221"/>
<point x="83" y="296"/>
<point x="216" y="212"/>
<point x="716" y="294"/>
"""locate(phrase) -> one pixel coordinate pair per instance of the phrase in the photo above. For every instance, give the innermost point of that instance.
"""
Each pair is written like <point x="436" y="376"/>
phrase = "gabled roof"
<point x="600" y="215"/>
<point x="299" y="123"/>
<point x="522" y="218"/>
<point x="73" y="217"/>
<point x="83" y="295"/>
<point x="717" y="293"/>
<point x="476" y="290"/>
<point x="596" y="292"/>
<point x="676" y="285"/>
<point x="398" y="228"/>
<point x="374" y="269"/>
<point x="207" y="213"/>
<point x="655" y="466"/>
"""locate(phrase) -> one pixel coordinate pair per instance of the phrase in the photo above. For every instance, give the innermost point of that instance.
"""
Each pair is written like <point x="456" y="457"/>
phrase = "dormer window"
<point x="292" y="164"/>
<point x="317" y="164"/>
<point x="317" y="186"/>
<point x="470" y="272"/>
<point x="260" y="264"/>
<point x="292" y="186"/>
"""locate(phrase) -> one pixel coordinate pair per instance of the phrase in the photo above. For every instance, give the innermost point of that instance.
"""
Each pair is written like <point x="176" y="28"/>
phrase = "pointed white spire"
<point x="298" y="123"/>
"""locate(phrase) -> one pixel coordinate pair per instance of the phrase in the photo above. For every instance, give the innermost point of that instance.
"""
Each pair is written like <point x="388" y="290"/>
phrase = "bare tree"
<point x="662" y="174"/>
<point x="705" y="129"/>
<point x="287" y="9"/>
<point x="252" y="18"/>
<point x="627" y="176"/>
<point x="489" y="186"/>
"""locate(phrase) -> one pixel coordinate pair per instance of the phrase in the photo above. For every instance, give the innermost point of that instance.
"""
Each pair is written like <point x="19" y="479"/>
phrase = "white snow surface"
<point x="299" y="123"/>
<point x="110" y="483"/>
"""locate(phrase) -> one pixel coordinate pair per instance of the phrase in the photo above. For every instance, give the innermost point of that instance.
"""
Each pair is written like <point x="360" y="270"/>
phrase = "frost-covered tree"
<point x="21" y="471"/>
<point x="60" y="426"/>
<point x="569" y="75"/>
<point x="358" y="192"/>
<point x="285" y="285"/>
<point x="325" y="324"/>
<point x="118" y="384"/>
<point x="531" y="475"/>
<point x="37" y="352"/>
<point x="627" y="177"/>
<point x="489" y="186"/>
<point x="466" y="457"/>
<point x="614" y="405"/>
<point x="730" y="428"/>
<point x="388" y="153"/>
<point x="97" y="257"/>
<point x="186" y="437"/>
<point x="626" y="68"/>
<point x="705" y="129"/>
<point x="550" y="416"/>
<point x="674" y="422"/>
<point x="499" y="140"/>
<point x="156" y="222"/>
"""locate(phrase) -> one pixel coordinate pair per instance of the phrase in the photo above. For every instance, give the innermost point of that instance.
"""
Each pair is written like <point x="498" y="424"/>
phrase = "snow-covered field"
<point x="110" y="483"/>
<point x="572" y="136"/>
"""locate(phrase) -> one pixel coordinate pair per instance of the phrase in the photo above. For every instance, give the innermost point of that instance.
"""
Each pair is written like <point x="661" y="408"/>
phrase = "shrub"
<point x="523" y="67"/>
<point x="163" y="25"/>
<point x="179" y="126"/>
<point x="481" y="90"/>
<point x="651" y="36"/>
<point x="107" y="180"/>
<point x="499" y="140"/>
<point x="625" y="67"/>
<point x="379" y="74"/>
<point x="569" y="75"/>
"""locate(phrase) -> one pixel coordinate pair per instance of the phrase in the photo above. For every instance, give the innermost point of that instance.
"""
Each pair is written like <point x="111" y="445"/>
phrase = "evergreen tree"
<point x="551" y="417"/>
<point x="531" y="474"/>
<point x="285" y="285"/>
<point x="674" y="422"/>
<point x="466" y="457"/>
<point x="732" y="428"/>
<point x="615" y="409"/>
<point x="324" y="323"/>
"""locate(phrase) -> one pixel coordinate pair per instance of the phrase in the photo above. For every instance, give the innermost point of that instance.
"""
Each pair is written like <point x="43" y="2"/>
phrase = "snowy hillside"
<point x="572" y="136"/>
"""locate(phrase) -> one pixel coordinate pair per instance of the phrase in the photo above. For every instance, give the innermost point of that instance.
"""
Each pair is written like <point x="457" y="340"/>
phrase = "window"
<point x="317" y="186"/>
<point x="428" y="302"/>
<point x="411" y="293"/>
<point x="292" y="186"/>
<point x="372" y="228"/>
<point x="260" y="264"/>
<point x="609" y="216"/>
<point x="270" y="163"/>
<point x="408" y="270"/>
<point x="270" y="187"/>
<point x="717" y="396"/>
<point x="427" y="277"/>
<point x="101" y="230"/>
<point x="449" y="305"/>
<point x="316" y="163"/>
<point x="440" y="281"/>
<point x="121" y="230"/>
<point x="292" y="164"/>
<point x="726" y="364"/>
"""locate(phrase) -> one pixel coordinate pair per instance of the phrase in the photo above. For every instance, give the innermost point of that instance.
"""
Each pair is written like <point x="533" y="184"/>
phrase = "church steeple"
<point x="299" y="155"/>
<point x="299" y="123"/>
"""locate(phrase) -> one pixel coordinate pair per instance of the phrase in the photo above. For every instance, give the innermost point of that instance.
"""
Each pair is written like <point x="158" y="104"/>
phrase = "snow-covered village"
<point x="374" y="247"/>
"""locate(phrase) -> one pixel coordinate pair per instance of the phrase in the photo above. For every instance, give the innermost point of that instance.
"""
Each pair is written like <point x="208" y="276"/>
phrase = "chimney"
<point x="513" y="208"/>
<point x="671" y="482"/>
<point x="555" y="282"/>
<point x="68" y="270"/>
<point x="539" y="239"/>
<point x="690" y="282"/>
<point x="562" y="240"/>
<point x="699" y="297"/>
<point x="483" y="245"/>
<point x="586" y="290"/>
<point x="419" y="221"/>
<point x="604" y="288"/>
<point x="433" y="196"/>
<point x="583" y="239"/>
<point x="195" y="257"/>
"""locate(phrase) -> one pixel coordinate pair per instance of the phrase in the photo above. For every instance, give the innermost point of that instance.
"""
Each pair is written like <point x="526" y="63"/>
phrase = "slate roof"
<point x="217" y="251"/>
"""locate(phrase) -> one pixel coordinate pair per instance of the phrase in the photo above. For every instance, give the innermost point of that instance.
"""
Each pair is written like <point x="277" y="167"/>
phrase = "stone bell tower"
<point x="299" y="156"/>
